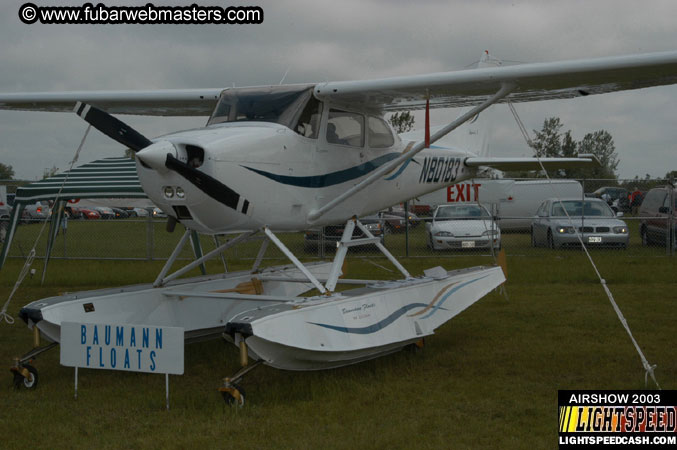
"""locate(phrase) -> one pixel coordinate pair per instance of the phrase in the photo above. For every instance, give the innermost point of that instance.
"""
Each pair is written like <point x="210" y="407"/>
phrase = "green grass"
<point x="130" y="239"/>
<point x="487" y="379"/>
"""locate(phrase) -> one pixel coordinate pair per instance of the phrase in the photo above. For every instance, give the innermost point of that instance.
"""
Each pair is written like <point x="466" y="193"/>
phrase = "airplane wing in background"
<point x="167" y="102"/>
<point x="532" y="82"/>
<point x="511" y="164"/>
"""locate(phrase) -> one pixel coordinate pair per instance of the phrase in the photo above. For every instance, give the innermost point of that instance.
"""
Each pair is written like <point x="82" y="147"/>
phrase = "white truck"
<point x="515" y="202"/>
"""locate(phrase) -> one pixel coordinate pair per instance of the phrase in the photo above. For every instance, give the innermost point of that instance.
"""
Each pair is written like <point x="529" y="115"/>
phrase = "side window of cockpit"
<point x="309" y="121"/>
<point x="380" y="135"/>
<point x="220" y="114"/>
<point x="345" y="128"/>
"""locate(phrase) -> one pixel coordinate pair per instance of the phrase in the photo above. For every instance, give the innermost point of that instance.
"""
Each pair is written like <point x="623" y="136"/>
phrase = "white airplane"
<point x="292" y="157"/>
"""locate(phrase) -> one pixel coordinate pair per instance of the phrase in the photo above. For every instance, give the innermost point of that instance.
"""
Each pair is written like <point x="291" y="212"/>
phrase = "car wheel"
<point x="645" y="236"/>
<point x="430" y="243"/>
<point x="551" y="242"/>
<point x="533" y="239"/>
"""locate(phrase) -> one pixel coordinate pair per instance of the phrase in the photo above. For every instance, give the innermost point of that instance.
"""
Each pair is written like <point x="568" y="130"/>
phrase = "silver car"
<point x="592" y="218"/>
<point x="465" y="226"/>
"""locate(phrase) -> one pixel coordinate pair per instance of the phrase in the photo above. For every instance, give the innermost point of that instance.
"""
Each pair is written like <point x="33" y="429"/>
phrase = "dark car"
<point x="129" y="210"/>
<point x="394" y="219"/>
<point x="616" y="197"/>
<point x="333" y="233"/>
<point x="120" y="213"/>
<point x="657" y="213"/>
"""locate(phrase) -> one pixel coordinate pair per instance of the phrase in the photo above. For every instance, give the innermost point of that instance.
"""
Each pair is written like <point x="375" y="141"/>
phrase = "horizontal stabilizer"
<point x="584" y="161"/>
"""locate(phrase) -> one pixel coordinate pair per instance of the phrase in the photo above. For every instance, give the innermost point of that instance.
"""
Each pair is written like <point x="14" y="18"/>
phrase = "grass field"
<point x="136" y="238"/>
<point x="487" y="379"/>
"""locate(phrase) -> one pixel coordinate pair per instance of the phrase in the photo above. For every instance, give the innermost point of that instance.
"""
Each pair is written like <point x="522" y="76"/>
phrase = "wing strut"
<point x="375" y="175"/>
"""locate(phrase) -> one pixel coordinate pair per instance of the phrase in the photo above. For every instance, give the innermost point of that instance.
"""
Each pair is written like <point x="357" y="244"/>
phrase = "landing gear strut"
<point x="24" y="373"/>
<point x="232" y="392"/>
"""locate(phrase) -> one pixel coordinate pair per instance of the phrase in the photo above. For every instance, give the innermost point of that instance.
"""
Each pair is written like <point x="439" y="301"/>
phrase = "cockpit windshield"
<point x="278" y="104"/>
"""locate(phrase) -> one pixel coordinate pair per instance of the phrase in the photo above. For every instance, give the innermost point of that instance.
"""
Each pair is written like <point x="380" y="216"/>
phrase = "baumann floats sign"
<point x="135" y="348"/>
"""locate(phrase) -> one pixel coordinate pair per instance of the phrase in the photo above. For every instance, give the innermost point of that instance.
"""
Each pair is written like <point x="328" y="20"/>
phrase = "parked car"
<point x="35" y="213"/>
<point x="128" y="210"/>
<point x="120" y="213"/>
<point x="594" y="219"/>
<point x="141" y="212"/>
<point x="655" y="213"/>
<point x="105" y="212"/>
<point x="73" y="212"/>
<point x="394" y="219"/>
<point x="90" y="214"/>
<point x="616" y="197"/>
<point x="463" y="226"/>
<point x="157" y="212"/>
<point x="333" y="233"/>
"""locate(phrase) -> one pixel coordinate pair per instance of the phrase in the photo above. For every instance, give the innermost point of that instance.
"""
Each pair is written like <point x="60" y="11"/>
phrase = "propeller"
<point x="112" y="127"/>
<point x="207" y="184"/>
<point x="160" y="155"/>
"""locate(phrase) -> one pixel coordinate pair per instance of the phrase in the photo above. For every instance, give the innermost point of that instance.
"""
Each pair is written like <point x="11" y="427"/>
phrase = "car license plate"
<point x="468" y="244"/>
<point x="595" y="240"/>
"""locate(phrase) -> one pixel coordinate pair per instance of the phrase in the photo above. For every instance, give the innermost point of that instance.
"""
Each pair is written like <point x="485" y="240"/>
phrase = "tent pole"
<point x="54" y="224"/>
<point x="11" y="229"/>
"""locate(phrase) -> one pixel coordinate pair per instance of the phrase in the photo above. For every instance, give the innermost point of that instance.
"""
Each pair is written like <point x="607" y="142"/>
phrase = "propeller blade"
<point x="209" y="185"/>
<point x="112" y="127"/>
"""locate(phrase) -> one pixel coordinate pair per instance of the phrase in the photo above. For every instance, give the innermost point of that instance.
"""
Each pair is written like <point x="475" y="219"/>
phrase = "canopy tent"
<point x="101" y="179"/>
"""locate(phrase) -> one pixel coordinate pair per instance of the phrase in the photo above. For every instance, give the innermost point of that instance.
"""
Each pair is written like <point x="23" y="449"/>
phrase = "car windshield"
<point x="461" y="212"/>
<point x="278" y="104"/>
<point x="579" y="208"/>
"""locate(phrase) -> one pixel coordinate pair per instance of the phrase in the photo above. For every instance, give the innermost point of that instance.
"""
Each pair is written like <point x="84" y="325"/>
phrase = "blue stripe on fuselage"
<point x="329" y="179"/>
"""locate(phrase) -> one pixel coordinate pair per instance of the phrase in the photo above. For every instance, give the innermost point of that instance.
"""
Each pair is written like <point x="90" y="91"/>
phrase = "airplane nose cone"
<point x="155" y="155"/>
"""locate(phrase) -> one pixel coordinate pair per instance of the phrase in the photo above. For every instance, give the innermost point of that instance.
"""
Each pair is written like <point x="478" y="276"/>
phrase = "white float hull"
<point x="192" y="304"/>
<point x="360" y="324"/>
<point x="281" y="328"/>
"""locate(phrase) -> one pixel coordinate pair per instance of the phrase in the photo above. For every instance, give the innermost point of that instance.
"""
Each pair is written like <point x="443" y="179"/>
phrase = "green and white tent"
<point x="100" y="179"/>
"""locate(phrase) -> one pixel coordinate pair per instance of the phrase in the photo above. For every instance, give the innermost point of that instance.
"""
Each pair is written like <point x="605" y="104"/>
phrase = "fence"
<point x="146" y="239"/>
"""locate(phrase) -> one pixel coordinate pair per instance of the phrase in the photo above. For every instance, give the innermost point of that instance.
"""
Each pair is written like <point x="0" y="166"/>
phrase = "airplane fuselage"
<point x="276" y="177"/>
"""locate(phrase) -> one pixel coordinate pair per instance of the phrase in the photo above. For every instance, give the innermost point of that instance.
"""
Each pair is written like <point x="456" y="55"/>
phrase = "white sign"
<point x="135" y="348"/>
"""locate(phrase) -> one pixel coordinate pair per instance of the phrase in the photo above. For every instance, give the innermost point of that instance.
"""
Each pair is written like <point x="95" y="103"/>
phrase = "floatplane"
<point x="287" y="158"/>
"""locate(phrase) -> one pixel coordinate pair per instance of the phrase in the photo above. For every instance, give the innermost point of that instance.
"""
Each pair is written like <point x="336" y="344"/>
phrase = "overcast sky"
<point x="319" y="41"/>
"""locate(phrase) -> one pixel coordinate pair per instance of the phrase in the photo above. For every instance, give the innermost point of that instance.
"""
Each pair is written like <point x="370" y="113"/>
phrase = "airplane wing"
<point x="533" y="82"/>
<point x="168" y="102"/>
<point x="510" y="164"/>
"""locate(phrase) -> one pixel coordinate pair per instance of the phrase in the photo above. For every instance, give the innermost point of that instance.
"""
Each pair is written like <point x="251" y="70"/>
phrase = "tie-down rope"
<point x="648" y="368"/>
<point x="4" y="316"/>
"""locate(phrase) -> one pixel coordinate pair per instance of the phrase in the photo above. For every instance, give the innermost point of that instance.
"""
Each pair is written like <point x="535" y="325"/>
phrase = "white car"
<point x="158" y="213"/>
<point x="465" y="226"/>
